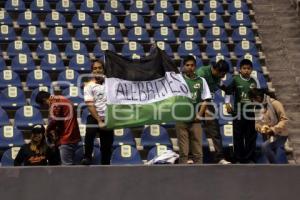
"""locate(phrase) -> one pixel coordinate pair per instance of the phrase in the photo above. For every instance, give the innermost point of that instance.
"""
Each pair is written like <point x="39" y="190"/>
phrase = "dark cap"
<point x="38" y="128"/>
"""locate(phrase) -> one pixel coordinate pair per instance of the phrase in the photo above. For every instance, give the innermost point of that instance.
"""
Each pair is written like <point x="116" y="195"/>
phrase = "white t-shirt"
<point x="94" y="92"/>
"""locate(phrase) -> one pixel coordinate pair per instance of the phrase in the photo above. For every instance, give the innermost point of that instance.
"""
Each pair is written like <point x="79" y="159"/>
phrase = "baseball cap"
<point x="38" y="128"/>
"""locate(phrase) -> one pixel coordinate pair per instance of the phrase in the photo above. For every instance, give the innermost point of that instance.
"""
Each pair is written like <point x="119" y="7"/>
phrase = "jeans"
<point x="67" y="153"/>
<point x="269" y="148"/>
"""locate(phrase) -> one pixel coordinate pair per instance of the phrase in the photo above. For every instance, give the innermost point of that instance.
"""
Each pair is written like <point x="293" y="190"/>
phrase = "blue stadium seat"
<point x="245" y="47"/>
<point x="155" y="135"/>
<point x="213" y="6"/>
<point x="12" y="97"/>
<point x="165" y="34"/>
<point x="90" y="7"/>
<point x="74" y="94"/>
<point x="67" y="78"/>
<point x="260" y="78"/>
<point x="32" y="34"/>
<point x="22" y="62"/>
<point x="52" y="62"/>
<point x="17" y="47"/>
<point x="99" y="48"/>
<point x="27" y="116"/>
<point x="123" y="137"/>
<point x="9" y="78"/>
<point x="65" y="6"/>
<point x="28" y="18"/>
<point x="166" y="47"/>
<point x="40" y="6"/>
<point x="34" y="93"/>
<point x="10" y="136"/>
<point x="81" y="19"/>
<point x="107" y="19"/>
<point x="242" y="33"/>
<point x="186" y="20"/>
<point x="4" y="118"/>
<point x="188" y="48"/>
<point x="133" y="20"/>
<point x="140" y="7"/>
<point x="111" y="34"/>
<point x="7" y="34"/>
<point x="255" y="62"/>
<point x="55" y="19"/>
<point x="138" y="34"/>
<point x="133" y="50"/>
<point x="160" y="20"/>
<point x="236" y="6"/>
<point x="189" y="7"/>
<point x="240" y="19"/>
<point x="157" y="151"/>
<point x="125" y="155"/>
<point x="85" y="34"/>
<point x="213" y="19"/>
<point x="80" y="63"/>
<point x="114" y="7"/>
<point x="217" y="47"/>
<point x="96" y="155"/>
<point x="227" y="135"/>
<point x="221" y="57"/>
<point x="164" y="7"/>
<point x="76" y="47"/>
<point x="5" y="18"/>
<point x="47" y="47"/>
<point x="15" y="6"/>
<point x="227" y="79"/>
<point x="59" y="34"/>
<point x="9" y="156"/>
<point x="2" y="64"/>
<point x="190" y="34"/>
<point x="38" y="78"/>
<point x="216" y="33"/>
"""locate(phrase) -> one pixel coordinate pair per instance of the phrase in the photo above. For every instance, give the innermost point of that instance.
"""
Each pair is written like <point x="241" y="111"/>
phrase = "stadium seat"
<point x="138" y="34"/>
<point x="243" y="33"/>
<point x="40" y="6"/>
<point x="81" y="19"/>
<point x="111" y="34"/>
<point x="52" y="62"/>
<point x="35" y="92"/>
<point x="47" y="47"/>
<point x="7" y="34"/>
<point x="74" y="94"/>
<point x="38" y="78"/>
<point x="217" y="47"/>
<point x="238" y="5"/>
<point x="114" y="7"/>
<point x="107" y="19"/>
<point x="189" y="7"/>
<point x="76" y="47"/>
<point x="213" y="6"/>
<point x="188" y="48"/>
<point x="83" y="116"/>
<point x="133" y="20"/>
<point x="17" y="47"/>
<point x="221" y="57"/>
<point x="59" y="34"/>
<point x="166" y="47"/>
<point x="260" y="78"/>
<point x="255" y="62"/>
<point x="186" y="20"/>
<point x="28" y="18"/>
<point x="12" y="97"/>
<point x="213" y="19"/>
<point x="96" y="155"/>
<point x="216" y="33"/>
<point x="2" y="64"/>
<point x="54" y="19"/>
<point x="190" y="34"/>
<point x="9" y="78"/>
<point x="32" y="34"/>
<point x="227" y="135"/>
<point x="4" y="118"/>
<point x="5" y="18"/>
<point x="90" y="7"/>
<point x="15" y="6"/>
<point x="80" y="63"/>
<point x="165" y="34"/>
<point x="239" y="19"/>
<point x="133" y="50"/>
<point x="65" y="6"/>
<point x="27" y="116"/>
<point x="99" y="48"/>
<point x="160" y="20"/>
<point x="10" y="136"/>
<point x="125" y="155"/>
<point x="164" y="7"/>
<point x="123" y="137"/>
<point x="155" y="135"/>
<point x="9" y="156"/>
<point x="22" y="62"/>
<point x="157" y="151"/>
<point x="140" y="7"/>
<point x="227" y="79"/>
<point x="67" y="77"/>
<point x="245" y="47"/>
<point x="85" y="34"/>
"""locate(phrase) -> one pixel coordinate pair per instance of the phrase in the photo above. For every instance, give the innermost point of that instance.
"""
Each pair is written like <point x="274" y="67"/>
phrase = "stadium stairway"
<point x="279" y="28"/>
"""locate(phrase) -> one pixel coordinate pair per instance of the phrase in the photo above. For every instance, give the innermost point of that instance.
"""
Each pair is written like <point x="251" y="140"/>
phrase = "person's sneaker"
<point x="86" y="161"/>
<point x="224" y="162"/>
<point x="190" y="162"/>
